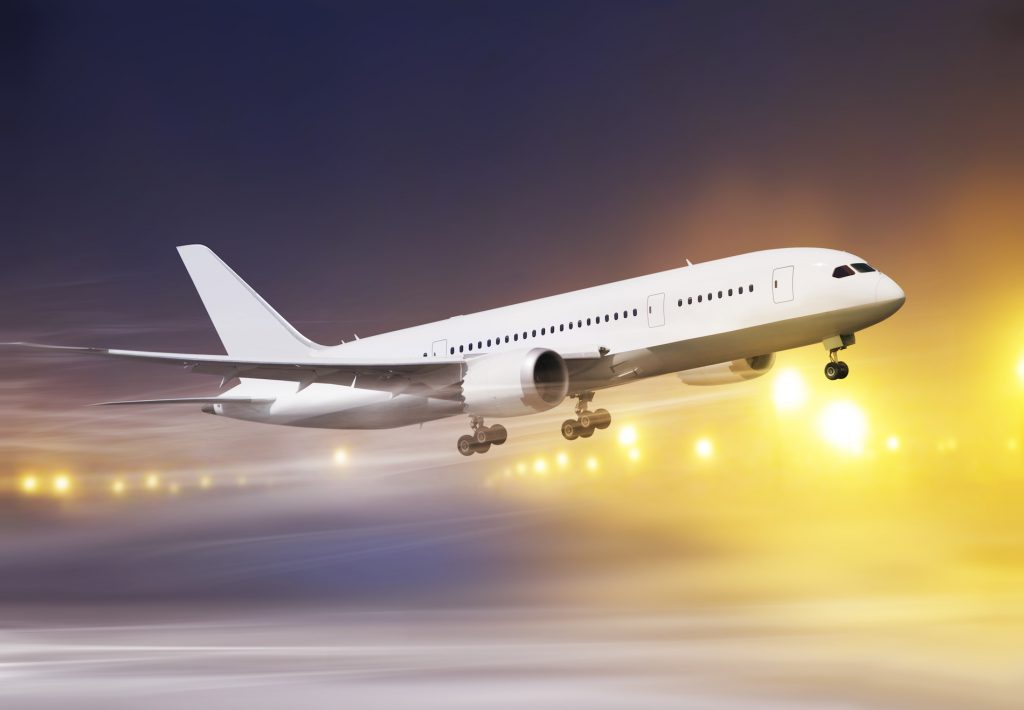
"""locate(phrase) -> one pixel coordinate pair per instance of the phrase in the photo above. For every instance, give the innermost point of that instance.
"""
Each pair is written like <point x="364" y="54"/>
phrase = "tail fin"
<point x="246" y="324"/>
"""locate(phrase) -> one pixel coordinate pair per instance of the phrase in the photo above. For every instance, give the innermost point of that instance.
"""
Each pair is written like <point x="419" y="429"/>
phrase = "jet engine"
<point x="515" y="383"/>
<point x="728" y="372"/>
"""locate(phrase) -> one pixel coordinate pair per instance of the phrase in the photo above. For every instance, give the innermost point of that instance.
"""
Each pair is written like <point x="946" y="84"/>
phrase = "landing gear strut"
<point x="836" y="369"/>
<point x="479" y="442"/>
<point x="586" y="422"/>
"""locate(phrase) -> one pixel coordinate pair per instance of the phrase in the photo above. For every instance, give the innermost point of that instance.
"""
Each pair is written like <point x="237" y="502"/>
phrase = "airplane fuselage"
<point x="692" y="317"/>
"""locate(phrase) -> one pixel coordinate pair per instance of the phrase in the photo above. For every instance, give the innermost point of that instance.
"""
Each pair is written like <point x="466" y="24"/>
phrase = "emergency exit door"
<point x="782" y="284"/>
<point x="656" y="310"/>
<point x="440" y="348"/>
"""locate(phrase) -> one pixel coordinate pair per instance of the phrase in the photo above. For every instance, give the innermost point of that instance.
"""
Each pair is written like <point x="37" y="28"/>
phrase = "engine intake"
<point x="515" y="383"/>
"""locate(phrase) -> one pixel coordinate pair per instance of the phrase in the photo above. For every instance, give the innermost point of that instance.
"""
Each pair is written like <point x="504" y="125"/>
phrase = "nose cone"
<point x="889" y="292"/>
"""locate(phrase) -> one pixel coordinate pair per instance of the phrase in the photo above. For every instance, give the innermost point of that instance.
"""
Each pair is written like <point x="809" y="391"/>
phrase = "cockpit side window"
<point x="862" y="267"/>
<point x="841" y="272"/>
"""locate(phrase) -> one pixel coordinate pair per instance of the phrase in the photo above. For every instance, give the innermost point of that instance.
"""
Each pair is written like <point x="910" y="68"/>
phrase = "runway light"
<point x="340" y="457"/>
<point x="152" y="482"/>
<point x="1012" y="444"/>
<point x="704" y="448"/>
<point x="892" y="443"/>
<point x="540" y="467"/>
<point x="1020" y="370"/>
<point x="591" y="464"/>
<point x="521" y="468"/>
<point x="29" y="484"/>
<point x="205" y="482"/>
<point x="844" y="426"/>
<point x="562" y="459"/>
<point x="790" y="391"/>
<point x="61" y="484"/>
<point x="627" y="435"/>
<point x="634" y="454"/>
<point x="117" y="487"/>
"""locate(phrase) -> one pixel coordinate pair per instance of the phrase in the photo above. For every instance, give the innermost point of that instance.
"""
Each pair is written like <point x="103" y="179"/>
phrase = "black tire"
<point x="498" y="435"/>
<point x="586" y="419"/>
<point x="844" y="370"/>
<point x="481" y="448"/>
<point x="482" y="435"/>
<point x="467" y="445"/>
<point x="832" y="371"/>
<point x="586" y="432"/>
<point x="570" y="430"/>
<point x="603" y="419"/>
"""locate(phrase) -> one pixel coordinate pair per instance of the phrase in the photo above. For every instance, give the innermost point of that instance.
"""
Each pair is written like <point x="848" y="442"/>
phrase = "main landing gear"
<point x="479" y="442"/>
<point x="586" y="422"/>
<point x="836" y="369"/>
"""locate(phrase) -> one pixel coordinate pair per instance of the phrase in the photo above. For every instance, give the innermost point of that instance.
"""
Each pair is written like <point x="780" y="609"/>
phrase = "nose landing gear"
<point x="836" y="369"/>
<point x="586" y="422"/>
<point x="479" y="442"/>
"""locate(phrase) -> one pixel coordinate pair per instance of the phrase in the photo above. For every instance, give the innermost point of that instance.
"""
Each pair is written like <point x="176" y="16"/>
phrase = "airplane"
<point x="713" y="323"/>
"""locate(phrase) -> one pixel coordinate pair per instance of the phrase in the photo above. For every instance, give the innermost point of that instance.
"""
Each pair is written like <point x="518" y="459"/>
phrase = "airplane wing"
<point x="440" y="378"/>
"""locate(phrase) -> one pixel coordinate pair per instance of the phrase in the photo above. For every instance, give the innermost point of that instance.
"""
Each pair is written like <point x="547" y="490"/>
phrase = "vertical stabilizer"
<point x="247" y="325"/>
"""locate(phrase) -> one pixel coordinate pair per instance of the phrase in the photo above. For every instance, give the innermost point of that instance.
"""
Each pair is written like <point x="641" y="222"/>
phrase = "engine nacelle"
<point x="515" y="383"/>
<point x="725" y="373"/>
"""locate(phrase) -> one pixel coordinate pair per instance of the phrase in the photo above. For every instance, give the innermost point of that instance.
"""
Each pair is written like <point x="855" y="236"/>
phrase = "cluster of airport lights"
<point x="62" y="484"/>
<point x="841" y="424"/>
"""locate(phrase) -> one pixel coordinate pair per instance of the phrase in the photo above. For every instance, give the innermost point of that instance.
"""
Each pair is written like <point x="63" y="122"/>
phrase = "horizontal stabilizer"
<point x="191" y="400"/>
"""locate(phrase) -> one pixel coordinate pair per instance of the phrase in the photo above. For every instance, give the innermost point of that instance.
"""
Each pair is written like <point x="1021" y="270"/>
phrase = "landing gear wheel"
<point x="844" y="370"/>
<point x="586" y="431"/>
<point x="481" y="448"/>
<point x="570" y="429"/>
<point x="832" y="371"/>
<point x="602" y="419"/>
<point x="467" y="445"/>
<point x="498" y="435"/>
<point x="586" y="419"/>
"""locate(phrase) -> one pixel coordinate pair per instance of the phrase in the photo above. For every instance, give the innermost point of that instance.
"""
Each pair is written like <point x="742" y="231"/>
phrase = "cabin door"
<point x="656" y="310"/>
<point x="782" y="284"/>
<point x="440" y="348"/>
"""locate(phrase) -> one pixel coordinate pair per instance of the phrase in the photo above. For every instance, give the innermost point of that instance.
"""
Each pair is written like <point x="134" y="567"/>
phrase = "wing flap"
<point x="190" y="400"/>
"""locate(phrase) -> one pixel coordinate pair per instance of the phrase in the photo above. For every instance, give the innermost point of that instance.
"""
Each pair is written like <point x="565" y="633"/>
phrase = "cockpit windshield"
<point x="862" y="267"/>
<point x="841" y="272"/>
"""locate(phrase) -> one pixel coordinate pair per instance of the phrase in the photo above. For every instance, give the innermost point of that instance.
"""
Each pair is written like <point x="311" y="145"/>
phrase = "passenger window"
<point x="534" y="333"/>
<point x="488" y="342"/>
<point x="751" y="288"/>
<point x="561" y="327"/>
<point x="453" y="350"/>
<point x="616" y="314"/>
<point x="730" y="291"/>
<point x="719" y="294"/>
<point x="460" y="348"/>
<point x="515" y="337"/>
<point x="625" y="314"/>
<point x="710" y="296"/>
<point x="471" y="347"/>
<point x="634" y="311"/>
<point x="579" y="324"/>
<point x="741" y="290"/>
<point x="424" y="354"/>
<point x="689" y="301"/>
<point x="840" y="272"/>
<point x="680" y="304"/>
<point x="862" y="267"/>
<point x="605" y="317"/>
<point x="506" y="338"/>
<point x="570" y="325"/>
<point x="700" y="299"/>
<point x="588" y="321"/>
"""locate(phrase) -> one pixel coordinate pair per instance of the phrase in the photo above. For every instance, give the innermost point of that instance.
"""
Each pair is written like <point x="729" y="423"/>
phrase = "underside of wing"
<point x="438" y="378"/>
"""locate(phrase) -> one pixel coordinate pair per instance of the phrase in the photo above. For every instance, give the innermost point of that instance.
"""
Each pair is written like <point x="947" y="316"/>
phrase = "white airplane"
<point x="713" y="323"/>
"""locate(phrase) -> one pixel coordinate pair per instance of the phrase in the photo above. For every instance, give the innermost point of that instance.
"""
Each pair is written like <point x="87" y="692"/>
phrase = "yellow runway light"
<point x="562" y="459"/>
<point x="152" y="482"/>
<point x="205" y="482"/>
<point x="790" y="391"/>
<point x="892" y="443"/>
<point x="627" y="435"/>
<point x="117" y="487"/>
<point x="340" y="457"/>
<point x="704" y="448"/>
<point x="1020" y="370"/>
<point x="29" y="484"/>
<point x="634" y="454"/>
<point x="61" y="484"/>
<point x="591" y="464"/>
<point x="844" y="426"/>
<point x="540" y="467"/>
